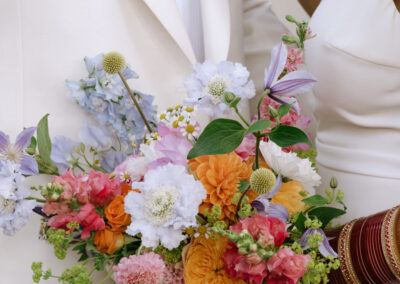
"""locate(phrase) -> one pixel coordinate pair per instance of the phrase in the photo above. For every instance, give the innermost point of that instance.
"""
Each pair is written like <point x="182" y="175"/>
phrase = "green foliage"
<point x="60" y="239"/>
<point x="31" y="149"/>
<point x="259" y="125"/>
<point x="326" y="214"/>
<point x="285" y="135"/>
<point x="310" y="154"/>
<point x="284" y="110"/>
<point x="243" y="185"/>
<point x="315" y="200"/>
<point x="299" y="223"/>
<point x="221" y="136"/>
<point x="78" y="274"/>
<point x="171" y="256"/>
<point x="44" y="146"/>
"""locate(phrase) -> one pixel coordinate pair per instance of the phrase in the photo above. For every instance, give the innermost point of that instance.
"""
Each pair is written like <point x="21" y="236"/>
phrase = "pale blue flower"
<point x="293" y="83"/>
<point x="15" y="152"/>
<point x="14" y="209"/>
<point x="95" y="137"/>
<point x="62" y="148"/>
<point x="207" y="85"/>
<point x="112" y="159"/>
<point x="104" y="96"/>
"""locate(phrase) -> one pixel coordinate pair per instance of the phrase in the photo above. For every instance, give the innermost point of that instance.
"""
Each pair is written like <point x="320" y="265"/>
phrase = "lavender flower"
<point x="62" y="148"/>
<point x="15" y="152"/>
<point x="293" y="83"/>
<point x="206" y="87"/>
<point x="14" y="209"/>
<point x="324" y="247"/>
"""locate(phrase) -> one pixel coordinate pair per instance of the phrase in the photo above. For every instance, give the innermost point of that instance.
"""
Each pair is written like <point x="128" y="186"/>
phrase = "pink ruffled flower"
<point x="102" y="189"/>
<point x="174" y="274"/>
<point x="287" y="267"/>
<point x="294" y="59"/>
<point x="272" y="231"/>
<point x="68" y="182"/>
<point x="248" y="267"/>
<point x="289" y="119"/>
<point x="51" y="208"/>
<point x="146" y="268"/>
<point x="247" y="148"/>
<point x="61" y="221"/>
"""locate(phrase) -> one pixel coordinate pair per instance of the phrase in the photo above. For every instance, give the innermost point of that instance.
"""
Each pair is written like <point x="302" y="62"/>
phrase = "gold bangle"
<point x="346" y="265"/>
<point x="389" y="243"/>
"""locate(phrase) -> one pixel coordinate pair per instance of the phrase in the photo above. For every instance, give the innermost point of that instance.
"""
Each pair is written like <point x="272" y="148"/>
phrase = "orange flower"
<point x="115" y="214"/>
<point x="126" y="188"/>
<point x="203" y="262"/>
<point x="108" y="241"/>
<point x="220" y="176"/>
<point x="290" y="197"/>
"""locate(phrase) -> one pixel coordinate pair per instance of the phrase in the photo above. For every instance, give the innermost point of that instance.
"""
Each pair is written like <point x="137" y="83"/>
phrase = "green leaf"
<point x="243" y="185"/>
<point x="284" y="110"/>
<point x="221" y="136"/>
<point x="259" y="125"/>
<point x="31" y="149"/>
<point x="300" y="222"/>
<point x="315" y="200"/>
<point x="43" y="140"/>
<point x="326" y="214"/>
<point x="235" y="102"/>
<point x="285" y="135"/>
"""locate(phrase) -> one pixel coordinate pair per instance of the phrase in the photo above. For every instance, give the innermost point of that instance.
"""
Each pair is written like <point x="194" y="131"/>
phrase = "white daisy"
<point x="289" y="164"/>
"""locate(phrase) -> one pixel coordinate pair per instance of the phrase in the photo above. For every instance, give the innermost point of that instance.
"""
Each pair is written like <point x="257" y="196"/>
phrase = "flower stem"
<point x="241" y="117"/>
<point x="265" y="93"/>
<point x="239" y="205"/>
<point x="37" y="199"/>
<point x="107" y="277"/>
<point x="256" y="160"/>
<point x="139" y="250"/>
<point x="135" y="101"/>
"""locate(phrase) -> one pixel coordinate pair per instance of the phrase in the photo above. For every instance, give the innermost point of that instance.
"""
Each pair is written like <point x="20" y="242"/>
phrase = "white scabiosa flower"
<point x="289" y="164"/>
<point x="166" y="206"/>
<point x="206" y="87"/>
<point x="14" y="209"/>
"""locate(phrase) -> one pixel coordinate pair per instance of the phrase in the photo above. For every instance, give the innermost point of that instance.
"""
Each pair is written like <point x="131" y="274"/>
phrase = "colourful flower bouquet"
<point x="168" y="201"/>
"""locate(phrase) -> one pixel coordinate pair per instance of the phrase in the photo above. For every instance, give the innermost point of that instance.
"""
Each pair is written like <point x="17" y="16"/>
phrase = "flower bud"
<point x="272" y="112"/>
<point x="334" y="183"/>
<point x="229" y="97"/>
<point x="288" y="39"/>
<point x="291" y="19"/>
<point x="113" y="62"/>
<point x="262" y="180"/>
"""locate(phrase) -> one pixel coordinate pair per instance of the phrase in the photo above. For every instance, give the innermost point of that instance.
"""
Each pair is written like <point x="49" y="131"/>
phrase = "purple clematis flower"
<point x="15" y="152"/>
<point x="324" y="247"/>
<point x="264" y="207"/>
<point x="293" y="83"/>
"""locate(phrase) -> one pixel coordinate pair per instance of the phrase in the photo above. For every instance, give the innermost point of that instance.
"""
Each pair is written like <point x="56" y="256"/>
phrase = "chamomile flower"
<point x="191" y="130"/>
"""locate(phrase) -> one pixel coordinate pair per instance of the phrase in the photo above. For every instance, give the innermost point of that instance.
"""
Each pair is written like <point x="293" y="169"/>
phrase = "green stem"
<point x="256" y="161"/>
<point x="135" y="102"/>
<point x="239" y="205"/>
<point x="37" y="199"/>
<point x="265" y="93"/>
<point x="107" y="277"/>
<point x="241" y="117"/>
<point x="139" y="250"/>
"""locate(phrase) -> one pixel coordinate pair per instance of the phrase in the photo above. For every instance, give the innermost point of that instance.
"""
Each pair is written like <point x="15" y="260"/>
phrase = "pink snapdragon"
<point x="287" y="267"/>
<point x="146" y="268"/>
<point x="102" y="189"/>
<point x="294" y="59"/>
<point x="247" y="148"/>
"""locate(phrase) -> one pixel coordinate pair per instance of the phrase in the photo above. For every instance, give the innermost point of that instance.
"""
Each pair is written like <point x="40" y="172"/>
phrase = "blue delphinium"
<point x="105" y="96"/>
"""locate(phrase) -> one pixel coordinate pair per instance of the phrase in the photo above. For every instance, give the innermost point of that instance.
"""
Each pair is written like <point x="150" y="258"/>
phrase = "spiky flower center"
<point x="113" y="62"/>
<point x="262" y="180"/>
<point x="7" y="206"/>
<point x="217" y="87"/>
<point x="159" y="204"/>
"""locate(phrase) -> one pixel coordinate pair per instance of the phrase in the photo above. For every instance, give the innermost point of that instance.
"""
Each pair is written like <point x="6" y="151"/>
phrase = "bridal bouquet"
<point x="161" y="199"/>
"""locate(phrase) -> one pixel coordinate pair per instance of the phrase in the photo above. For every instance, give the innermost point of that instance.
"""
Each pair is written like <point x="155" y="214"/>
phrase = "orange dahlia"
<point x="220" y="176"/>
<point x="203" y="262"/>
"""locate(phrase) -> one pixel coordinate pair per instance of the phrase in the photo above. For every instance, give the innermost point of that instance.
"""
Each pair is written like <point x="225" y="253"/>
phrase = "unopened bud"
<point x="334" y="183"/>
<point x="288" y="39"/>
<point x="229" y="97"/>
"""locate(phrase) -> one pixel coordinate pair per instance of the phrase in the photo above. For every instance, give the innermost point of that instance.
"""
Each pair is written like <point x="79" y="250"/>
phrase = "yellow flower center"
<point x="190" y="231"/>
<point x="189" y="128"/>
<point x="175" y="124"/>
<point x="178" y="107"/>
<point x="127" y="176"/>
<point x="181" y="118"/>
<point x="202" y="230"/>
<point x="163" y="116"/>
<point x="189" y="109"/>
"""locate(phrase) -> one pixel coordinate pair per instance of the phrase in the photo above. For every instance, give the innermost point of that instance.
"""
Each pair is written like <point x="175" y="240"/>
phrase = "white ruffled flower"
<point x="14" y="209"/>
<point x="167" y="205"/>
<point x="206" y="87"/>
<point x="289" y="164"/>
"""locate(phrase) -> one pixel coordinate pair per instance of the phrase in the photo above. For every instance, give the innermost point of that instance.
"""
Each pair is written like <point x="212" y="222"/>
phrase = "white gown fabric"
<point x="43" y="43"/>
<point x="355" y="57"/>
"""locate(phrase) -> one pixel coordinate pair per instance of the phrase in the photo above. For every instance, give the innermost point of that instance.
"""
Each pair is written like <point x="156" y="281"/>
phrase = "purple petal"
<point x="276" y="188"/>
<point x="278" y="61"/>
<point x="29" y="166"/>
<point x="4" y="141"/>
<point x="261" y="205"/>
<point x="303" y="239"/>
<point x="294" y="83"/>
<point x="324" y="247"/>
<point x="289" y="101"/>
<point x="278" y="211"/>
<point x="24" y="138"/>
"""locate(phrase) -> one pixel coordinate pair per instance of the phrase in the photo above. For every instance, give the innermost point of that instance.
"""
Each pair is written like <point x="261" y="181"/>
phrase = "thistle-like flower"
<point x="113" y="62"/>
<point x="262" y="180"/>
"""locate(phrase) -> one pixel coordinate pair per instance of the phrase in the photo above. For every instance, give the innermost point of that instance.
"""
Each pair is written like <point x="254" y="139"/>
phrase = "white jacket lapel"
<point x="168" y="14"/>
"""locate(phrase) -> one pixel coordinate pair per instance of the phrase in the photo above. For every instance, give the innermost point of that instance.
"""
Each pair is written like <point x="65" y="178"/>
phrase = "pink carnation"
<point x="270" y="230"/>
<point x="174" y="274"/>
<point x="294" y="59"/>
<point x="289" y="119"/>
<point x="249" y="267"/>
<point x="102" y="189"/>
<point x="146" y="268"/>
<point x="287" y="267"/>
<point x="247" y="148"/>
<point x="61" y="221"/>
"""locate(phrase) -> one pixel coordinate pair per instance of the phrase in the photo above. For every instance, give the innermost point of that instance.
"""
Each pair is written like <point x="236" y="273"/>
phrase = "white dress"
<point x="356" y="59"/>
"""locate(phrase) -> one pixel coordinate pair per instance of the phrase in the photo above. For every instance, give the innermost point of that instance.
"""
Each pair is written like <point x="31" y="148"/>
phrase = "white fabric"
<point x="43" y="42"/>
<point x="191" y="16"/>
<point x="355" y="58"/>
